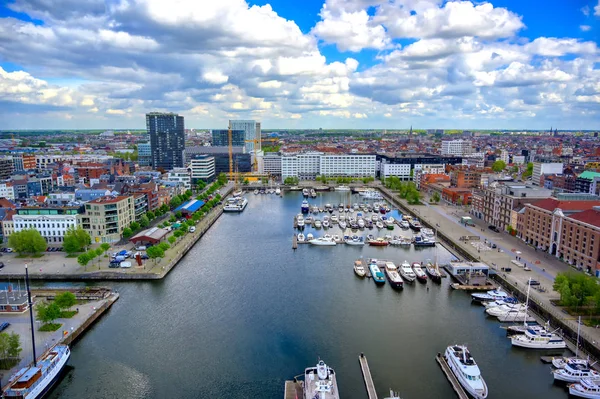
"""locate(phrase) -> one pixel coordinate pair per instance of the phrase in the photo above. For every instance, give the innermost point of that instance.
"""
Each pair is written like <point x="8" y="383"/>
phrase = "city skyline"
<point x="333" y="64"/>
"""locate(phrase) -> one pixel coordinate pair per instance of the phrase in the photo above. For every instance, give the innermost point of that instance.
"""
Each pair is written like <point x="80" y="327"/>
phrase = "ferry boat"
<point x="236" y="204"/>
<point x="359" y="269"/>
<point x="305" y="206"/>
<point x="305" y="192"/>
<point x="320" y="382"/>
<point x="574" y="372"/>
<point x="376" y="273"/>
<point x="538" y="340"/>
<point x="407" y="272"/>
<point x="586" y="388"/>
<point x="37" y="380"/>
<point x="467" y="372"/>
<point x="421" y="276"/>
<point x="392" y="274"/>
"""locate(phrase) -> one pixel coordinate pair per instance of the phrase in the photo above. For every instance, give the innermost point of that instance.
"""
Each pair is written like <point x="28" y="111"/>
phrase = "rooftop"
<point x="109" y="200"/>
<point x="588" y="174"/>
<point x="590" y="216"/>
<point x="550" y="204"/>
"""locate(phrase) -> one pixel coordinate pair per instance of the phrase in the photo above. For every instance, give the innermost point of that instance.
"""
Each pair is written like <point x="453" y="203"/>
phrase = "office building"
<point x="167" y="139"/>
<point x="272" y="164"/>
<point x="182" y="176"/>
<point x="304" y="166"/>
<point x="250" y="131"/>
<point x="202" y="167"/>
<point x="6" y="167"/>
<point x="220" y="138"/>
<point x="106" y="217"/>
<point x="541" y="169"/>
<point x="347" y="165"/>
<point x="144" y="154"/>
<point x="457" y="147"/>
<point x="241" y="160"/>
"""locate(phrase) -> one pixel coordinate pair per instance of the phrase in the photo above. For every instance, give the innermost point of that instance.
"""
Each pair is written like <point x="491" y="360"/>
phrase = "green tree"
<point x="150" y="215"/>
<point x="144" y="221"/>
<point x="529" y="170"/>
<point x="66" y="300"/>
<point x="105" y="247"/>
<point x="499" y="166"/>
<point x="222" y="179"/>
<point x="435" y="197"/>
<point x="291" y="181"/>
<point x="172" y="239"/>
<point x="514" y="169"/>
<point x="164" y="246"/>
<point x="47" y="312"/>
<point x="10" y="349"/>
<point x="76" y="240"/>
<point x="155" y="252"/>
<point x="175" y="202"/>
<point x="178" y="233"/>
<point x="127" y="232"/>
<point x="27" y="241"/>
<point x="164" y="208"/>
<point x="99" y="251"/>
<point x="134" y="226"/>
<point x="83" y="259"/>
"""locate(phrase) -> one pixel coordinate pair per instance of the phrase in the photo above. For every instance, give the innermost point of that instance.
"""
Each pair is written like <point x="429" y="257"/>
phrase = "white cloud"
<point x="597" y="9"/>
<point x="585" y="28"/>
<point x="585" y="10"/>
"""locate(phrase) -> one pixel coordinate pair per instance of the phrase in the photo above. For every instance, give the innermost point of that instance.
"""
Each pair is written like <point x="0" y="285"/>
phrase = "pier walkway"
<point x="364" y="367"/>
<point x="455" y="384"/>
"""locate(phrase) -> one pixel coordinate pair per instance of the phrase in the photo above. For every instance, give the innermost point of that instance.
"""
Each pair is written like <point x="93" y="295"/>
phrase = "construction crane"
<point x="230" y="153"/>
<point x="258" y="147"/>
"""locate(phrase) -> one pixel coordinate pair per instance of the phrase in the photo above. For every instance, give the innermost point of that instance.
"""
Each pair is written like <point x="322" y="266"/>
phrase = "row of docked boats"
<point x="382" y="208"/>
<point x="270" y="190"/>
<point x="309" y="193"/>
<point x="378" y="268"/>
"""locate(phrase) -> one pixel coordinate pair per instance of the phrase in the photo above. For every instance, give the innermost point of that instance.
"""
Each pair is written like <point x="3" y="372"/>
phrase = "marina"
<point x="293" y="307"/>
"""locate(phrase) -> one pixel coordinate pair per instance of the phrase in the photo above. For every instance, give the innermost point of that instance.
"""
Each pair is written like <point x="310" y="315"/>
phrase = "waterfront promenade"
<point x="446" y="219"/>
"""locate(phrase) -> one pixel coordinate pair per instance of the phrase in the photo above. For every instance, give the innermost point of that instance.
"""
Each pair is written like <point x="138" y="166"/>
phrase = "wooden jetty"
<point x="364" y="366"/>
<point x="455" y="384"/>
<point x="294" y="241"/>
<point x="293" y="389"/>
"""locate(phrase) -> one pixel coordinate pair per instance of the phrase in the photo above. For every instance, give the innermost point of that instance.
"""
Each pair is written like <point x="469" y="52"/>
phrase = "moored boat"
<point x="237" y="193"/>
<point x="574" y="372"/>
<point x="323" y="241"/>
<point x="586" y="388"/>
<point x="466" y="371"/>
<point x="538" y="340"/>
<point x="305" y="192"/>
<point x="414" y="224"/>
<point x="392" y="274"/>
<point x="421" y="276"/>
<point x="376" y="273"/>
<point x="492" y="295"/>
<point x="354" y="240"/>
<point x="304" y="207"/>
<point x="407" y="272"/>
<point x="235" y="204"/>
<point x="320" y="382"/>
<point x="301" y="237"/>
<point x="359" y="268"/>
<point x="433" y="272"/>
<point x="378" y="242"/>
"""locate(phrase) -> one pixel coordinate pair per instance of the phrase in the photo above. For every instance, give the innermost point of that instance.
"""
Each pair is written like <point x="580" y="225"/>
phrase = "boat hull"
<point x="529" y="345"/>
<point x="458" y="374"/>
<point x="394" y="283"/>
<point x="575" y="390"/>
<point x="434" y="275"/>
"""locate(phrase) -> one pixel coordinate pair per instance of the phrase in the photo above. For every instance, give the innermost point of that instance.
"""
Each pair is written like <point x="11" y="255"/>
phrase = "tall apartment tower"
<point x="167" y="139"/>
<point x="251" y="129"/>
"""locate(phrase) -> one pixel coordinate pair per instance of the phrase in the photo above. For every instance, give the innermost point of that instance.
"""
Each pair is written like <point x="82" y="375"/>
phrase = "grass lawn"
<point x="50" y="327"/>
<point x="67" y="314"/>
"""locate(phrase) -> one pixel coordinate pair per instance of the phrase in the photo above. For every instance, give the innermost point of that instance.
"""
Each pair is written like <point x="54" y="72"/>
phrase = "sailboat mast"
<point x="30" y="315"/>
<point x="577" y="344"/>
<point x="527" y="301"/>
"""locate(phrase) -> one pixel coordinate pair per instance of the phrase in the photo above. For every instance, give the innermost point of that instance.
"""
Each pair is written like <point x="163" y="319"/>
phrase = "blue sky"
<point x="350" y="64"/>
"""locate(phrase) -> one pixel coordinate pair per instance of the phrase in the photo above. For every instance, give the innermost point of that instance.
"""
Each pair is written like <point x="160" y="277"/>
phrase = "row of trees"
<point x="406" y="190"/>
<point x="92" y="254"/>
<point x="344" y="180"/>
<point x="48" y="312"/>
<point x="577" y="290"/>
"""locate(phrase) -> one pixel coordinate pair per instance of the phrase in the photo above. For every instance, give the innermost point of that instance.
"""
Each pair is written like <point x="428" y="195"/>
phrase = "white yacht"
<point x="586" y="388"/>
<point x="371" y="194"/>
<point x="301" y="237"/>
<point x="309" y="237"/>
<point x="325" y="224"/>
<point x="361" y="223"/>
<point x="320" y="382"/>
<point x="256" y="192"/>
<point x="300" y="221"/>
<point x="407" y="272"/>
<point x="235" y="204"/>
<point x="342" y="225"/>
<point x="342" y="188"/>
<point x="404" y="224"/>
<point x="465" y="369"/>
<point x="334" y="219"/>
<point x="327" y="240"/>
<point x="278" y="191"/>
<point x="492" y="295"/>
<point x="317" y="224"/>
<point x="501" y="310"/>
<point x="374" y="218"/>
<point x="574" y="372"/>
<point x="354" y="240"/>
<point x="538" y="340"/>
<point x="515" y="316"/>
<point x="379" y="225"/>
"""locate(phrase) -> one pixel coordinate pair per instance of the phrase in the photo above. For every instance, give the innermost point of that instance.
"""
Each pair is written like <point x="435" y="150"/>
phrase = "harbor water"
<point x="243" y="312"/>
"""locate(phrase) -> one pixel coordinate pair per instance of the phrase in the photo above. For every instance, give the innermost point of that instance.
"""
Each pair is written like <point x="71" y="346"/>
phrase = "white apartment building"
<point x="7" y="191"/>
<point x="42" y="161"/>
<point x="305" y="166"/>
<point x="457" y="147"/>
<point x="504" y="156"/>
<point x="272" y="164"/>
<point x="52" y="223"/>
<point x="427" y="169"/>
<point x="181" y="175"/>
<point x="518" y="159"/>
<point x="347" y="165"/>
<point x="202" y="167"/>
<point x="540" y="169"/>
<point x="400" y="170"/>
<point x="474" y="161"/>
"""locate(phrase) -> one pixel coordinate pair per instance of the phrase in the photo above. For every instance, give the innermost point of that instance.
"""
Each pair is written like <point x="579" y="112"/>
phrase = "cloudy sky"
<point x="301" y="64"/>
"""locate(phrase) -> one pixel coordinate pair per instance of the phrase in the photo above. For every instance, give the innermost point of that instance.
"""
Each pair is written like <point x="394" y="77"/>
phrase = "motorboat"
<point x="309" y="237"/>
<point x="355" y="207"/>
<point x="392" y="274"/>
<point x="235" y="204"/>
<point x="314" y="209"/>
<point x="414" y="224"/>
<point x="256" y="192"/>
<point x="433" y="272"/>
<point x="509" y="300"/>
<point x="320" y="382"/>
<point x="313" y="193"/>
<point x="317" y="224"/>
<point x="359" y="269"/>
<point x="466" y="371"/>
<point x="376" y="273"/>
<point x="305" y="192"/>
<point x="393" y="395"/>
<point x="404" y="224"/>
<point x="389" y="224"/>
<point x="342" y="188"/>
<point x="378" y="242"/>
<point x="375" y="217"/>
<point x="492" y="295"/>
<point x="342" y="224"/>
<point x="407" y="272"/>
<point x="300" y="221"/>
<point x="354" y="240"/>
<point x="560" y="362"/>
<point x="516" y="316"/>
<point x="502" y="310"/>
<point x="334" y="219"/>
<point x="586" y="388"/>
<point x="574" y="372"/>
<point x="421" y="276"/>
<point x="538" y="340"/>
<point x="420" y="240"/>
<point x="361" y="223"/>
<point x="305" y="207"/>
<point x="379" y="224"/>
<point x="395" y="241"/>
<point x="301" y="237"/>
<point x="323" y="241"/>
<point x="405" y="241"/>
<point x="277" y="191"/>
<point x="371" y="194"/>
<point x="336" y="238"/>
<point x="308" y="220"/>
<point x="238" y="193"/>
<point x="325" y="224"/>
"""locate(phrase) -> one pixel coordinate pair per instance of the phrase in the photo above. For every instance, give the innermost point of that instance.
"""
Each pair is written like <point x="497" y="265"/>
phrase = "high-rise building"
<point x="251" y="131"/>
<point x="457" y="147"/>
<point x="167" y="139"/>
<point x="220" y="138"/>
<point x="144" y="154"/>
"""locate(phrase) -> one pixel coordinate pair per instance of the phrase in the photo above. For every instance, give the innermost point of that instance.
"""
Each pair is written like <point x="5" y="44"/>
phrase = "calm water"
<point x="243" y="312"/>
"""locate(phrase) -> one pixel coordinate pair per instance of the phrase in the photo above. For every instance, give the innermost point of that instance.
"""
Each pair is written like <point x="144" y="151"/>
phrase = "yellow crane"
<point x="257" y="147"/>
<point x="230" y="153"/>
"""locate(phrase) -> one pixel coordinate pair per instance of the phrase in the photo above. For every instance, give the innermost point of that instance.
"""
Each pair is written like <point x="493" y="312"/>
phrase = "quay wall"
<point x="76" y="334"/>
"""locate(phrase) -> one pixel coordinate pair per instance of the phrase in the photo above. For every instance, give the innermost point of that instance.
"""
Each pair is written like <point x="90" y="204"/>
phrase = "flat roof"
<point x="190" y="206"/>
<point x="152" y="234"/>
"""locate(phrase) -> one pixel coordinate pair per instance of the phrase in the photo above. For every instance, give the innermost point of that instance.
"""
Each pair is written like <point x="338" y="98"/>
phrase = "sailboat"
<point x="432" y="269"/>
<point x="36" y="380"/>
<point x="518" y="315"/>
<point x="562" y="362"/>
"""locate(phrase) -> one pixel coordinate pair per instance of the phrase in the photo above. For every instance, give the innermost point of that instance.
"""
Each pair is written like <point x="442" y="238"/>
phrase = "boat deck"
<point x="293" y="390"/>
<point x="364" y="366"/>
<point x="453" y="381"/>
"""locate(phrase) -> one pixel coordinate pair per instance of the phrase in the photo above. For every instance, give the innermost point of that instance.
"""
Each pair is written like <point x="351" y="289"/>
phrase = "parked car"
<point x="114" y="265"/>
<point x="122" y="253"/>
<point x="1" y="265"/>
<point x="140" y="248"/>
<point x="494" y="246"/>
<point x="9" y="250"/>
<point x="4" y="326"/>
<point x="126" y="264"/>
<point x="494" y="229"/>
<point x="192" y="229"/>
<point x="534" y="282"/>
<point x="144" y="256"/>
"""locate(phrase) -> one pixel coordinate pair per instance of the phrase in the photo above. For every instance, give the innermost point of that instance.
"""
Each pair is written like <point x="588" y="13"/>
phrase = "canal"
<point x="243" y="312"/>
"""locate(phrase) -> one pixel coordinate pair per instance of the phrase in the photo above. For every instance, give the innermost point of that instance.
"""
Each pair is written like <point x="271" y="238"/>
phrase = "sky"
<point x="360" y="64"/>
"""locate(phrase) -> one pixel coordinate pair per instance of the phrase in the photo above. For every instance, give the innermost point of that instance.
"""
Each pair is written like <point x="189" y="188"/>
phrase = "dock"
<point x="364" y="366"/>
<point x="294" y="241"/>
<point x="455" y="384"/>
<point x="293" y="389"/>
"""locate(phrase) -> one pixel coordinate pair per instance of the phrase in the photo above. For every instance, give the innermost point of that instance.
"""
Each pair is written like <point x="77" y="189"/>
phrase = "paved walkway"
<point x="447" y="219"/>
